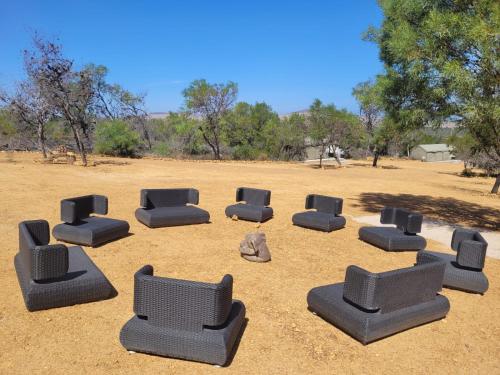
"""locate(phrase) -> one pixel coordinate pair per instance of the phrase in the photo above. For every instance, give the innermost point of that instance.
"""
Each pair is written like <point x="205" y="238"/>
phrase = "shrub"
<point x="245" y="152"/>
<point x="116" y="138"/>
<point x="161" y="149"/>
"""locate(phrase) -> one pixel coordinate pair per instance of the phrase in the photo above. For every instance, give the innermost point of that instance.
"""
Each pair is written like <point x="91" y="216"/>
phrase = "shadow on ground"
<point x="450" y="210"/>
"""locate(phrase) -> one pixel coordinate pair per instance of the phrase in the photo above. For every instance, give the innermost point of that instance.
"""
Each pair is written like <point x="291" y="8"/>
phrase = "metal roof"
<point x="438" y="147"/>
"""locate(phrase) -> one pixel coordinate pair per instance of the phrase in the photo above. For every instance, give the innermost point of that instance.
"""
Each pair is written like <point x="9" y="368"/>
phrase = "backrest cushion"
<point x="256" y="197"/>
<point x="323" y="203"/>
<point x="409" y="286"/>
<point x="181" y="304"/>
<point x="154" y="198"/>
<point x="407" y="221"/>
<point x="79" y="208"/>
<point x="393" y="290"/>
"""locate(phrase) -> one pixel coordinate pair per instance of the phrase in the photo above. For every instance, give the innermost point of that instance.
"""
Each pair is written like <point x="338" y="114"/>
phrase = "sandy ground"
<point x="281" y="336"/>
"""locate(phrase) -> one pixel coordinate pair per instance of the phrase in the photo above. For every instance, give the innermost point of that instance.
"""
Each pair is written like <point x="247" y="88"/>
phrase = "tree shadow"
<point x="450" y="210"/>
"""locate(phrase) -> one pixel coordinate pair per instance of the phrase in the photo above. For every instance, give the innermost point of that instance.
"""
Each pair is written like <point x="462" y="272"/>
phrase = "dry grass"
<point x="282" y="336"/>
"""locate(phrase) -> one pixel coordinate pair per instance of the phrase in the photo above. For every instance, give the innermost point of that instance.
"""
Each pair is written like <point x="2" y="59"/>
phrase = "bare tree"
<point x="68" y="91"/>
<point x="112" y="101"/>
<point x="31" y="109"/>
<point x="211" y="102"/>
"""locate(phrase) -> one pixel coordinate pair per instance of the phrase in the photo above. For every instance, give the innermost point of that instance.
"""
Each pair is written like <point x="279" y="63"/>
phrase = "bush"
<point x="245" y="152"/>
<point x="115" y="138"/>
<point x="161" y="149"/>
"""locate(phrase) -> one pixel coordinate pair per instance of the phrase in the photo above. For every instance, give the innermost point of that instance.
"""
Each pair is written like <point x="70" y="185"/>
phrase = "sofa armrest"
<point x="100" y="204"/>
<point x="387" y="215"/>
<point x="49" y="262"/>
<point x="471" y="254"/>
<point x="193" y="196"/>
<point x="359" y="288"/>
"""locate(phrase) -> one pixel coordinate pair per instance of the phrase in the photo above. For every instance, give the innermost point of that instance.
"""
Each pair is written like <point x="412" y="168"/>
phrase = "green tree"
<point x="244" y="129"/>
<point x="285" y="138"/>
<point x="115" y="138"/>
<point x="211" y="102"/>
<point x="371" y="112"/>
<point x="334" y="129"/>
<point x="441" y="62"/>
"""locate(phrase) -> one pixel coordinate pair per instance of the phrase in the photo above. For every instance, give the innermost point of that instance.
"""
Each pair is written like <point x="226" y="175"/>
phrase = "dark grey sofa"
<point x="369" y="306"/>
<point x="170" y="207"/>
<point x="255" y="207"/>
<point x="183" y="319"/>
<point x="326" y="217"/>
<point x="402" y="238"/>
<point x="464" y="271"/>
<point x="81" y="228"/>
<point x="54" y="275"/>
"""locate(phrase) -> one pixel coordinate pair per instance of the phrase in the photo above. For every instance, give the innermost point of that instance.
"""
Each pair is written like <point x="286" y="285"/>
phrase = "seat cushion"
<point x="461" y="278"/>
<point x="318" y="220"/>
<point x="172" y="216"/>
<point x="249" y="212"/>
<point x="392" y="239"/>
<point x="211" y="345"/>
<point x="92" y="231"/>
<point x="83" y="283"/>
<point x="328" y="302"/>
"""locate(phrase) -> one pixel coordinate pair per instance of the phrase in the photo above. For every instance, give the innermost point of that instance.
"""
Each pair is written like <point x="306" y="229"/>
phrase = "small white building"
<point x="434" y="152"/>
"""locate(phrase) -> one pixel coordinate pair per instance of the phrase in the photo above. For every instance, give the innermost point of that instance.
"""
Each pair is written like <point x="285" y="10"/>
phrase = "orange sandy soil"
<point x="282" y="336"/>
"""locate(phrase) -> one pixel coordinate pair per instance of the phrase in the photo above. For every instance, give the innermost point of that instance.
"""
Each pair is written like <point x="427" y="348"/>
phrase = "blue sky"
<point x="285" y="53"/>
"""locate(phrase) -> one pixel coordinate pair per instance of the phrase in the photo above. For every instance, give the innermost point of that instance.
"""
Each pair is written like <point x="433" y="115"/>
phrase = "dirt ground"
<point x="281" y="336"/>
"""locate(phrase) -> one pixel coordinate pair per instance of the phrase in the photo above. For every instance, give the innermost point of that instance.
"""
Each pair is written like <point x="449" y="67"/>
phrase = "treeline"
<point x="59" y="104"/>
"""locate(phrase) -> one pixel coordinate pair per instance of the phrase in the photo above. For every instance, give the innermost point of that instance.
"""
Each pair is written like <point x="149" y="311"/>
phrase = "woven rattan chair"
<point x="55" y="275"/>
<point x="183" y="319"/>
<point x="464" y="271"/>
<point x="324" y="216"/>
<point x="256" y="207"/>
<point x="401" y="238"/>
<point x="170" y="207"/>
<point x="82" y="228"/>
<point x="369" y="306"/>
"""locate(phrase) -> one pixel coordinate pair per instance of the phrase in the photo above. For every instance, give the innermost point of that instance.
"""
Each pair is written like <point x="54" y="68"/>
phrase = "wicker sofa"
<point x="55" y="275"/>
<point x="82" y="228"/>
<point x="370" y="306"/>
<point x="464" y="271"/>
<point x="170" y="207"/>
<point x="324" y="213"/>
<point x="256" y="207"/>
<point x="183" y="319"/>
<point x="403" y="237"/>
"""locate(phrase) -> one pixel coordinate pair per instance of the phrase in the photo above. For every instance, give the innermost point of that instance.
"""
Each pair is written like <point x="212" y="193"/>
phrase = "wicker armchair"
<point x="370" y="306"/>
<point x="401" y="238"/>
<point x="170" y="207"/>
<point x="183" y="319"/>
<point x="464" y="271"/>
<point x="54" y="275"/>
<point x="256" y="207"/>
<point x="82" y="228"/>
<point x="326" y="216"/>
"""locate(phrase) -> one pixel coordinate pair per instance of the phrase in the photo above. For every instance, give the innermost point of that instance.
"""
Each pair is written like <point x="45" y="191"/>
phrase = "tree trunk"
<point x="496" y="186"/>
<point x="375" y="158"/>
<point x="146" y="136"/>
<point x="79" y="145"/>
<point x="336" y="155"/>
<point x="41" y="140"/>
